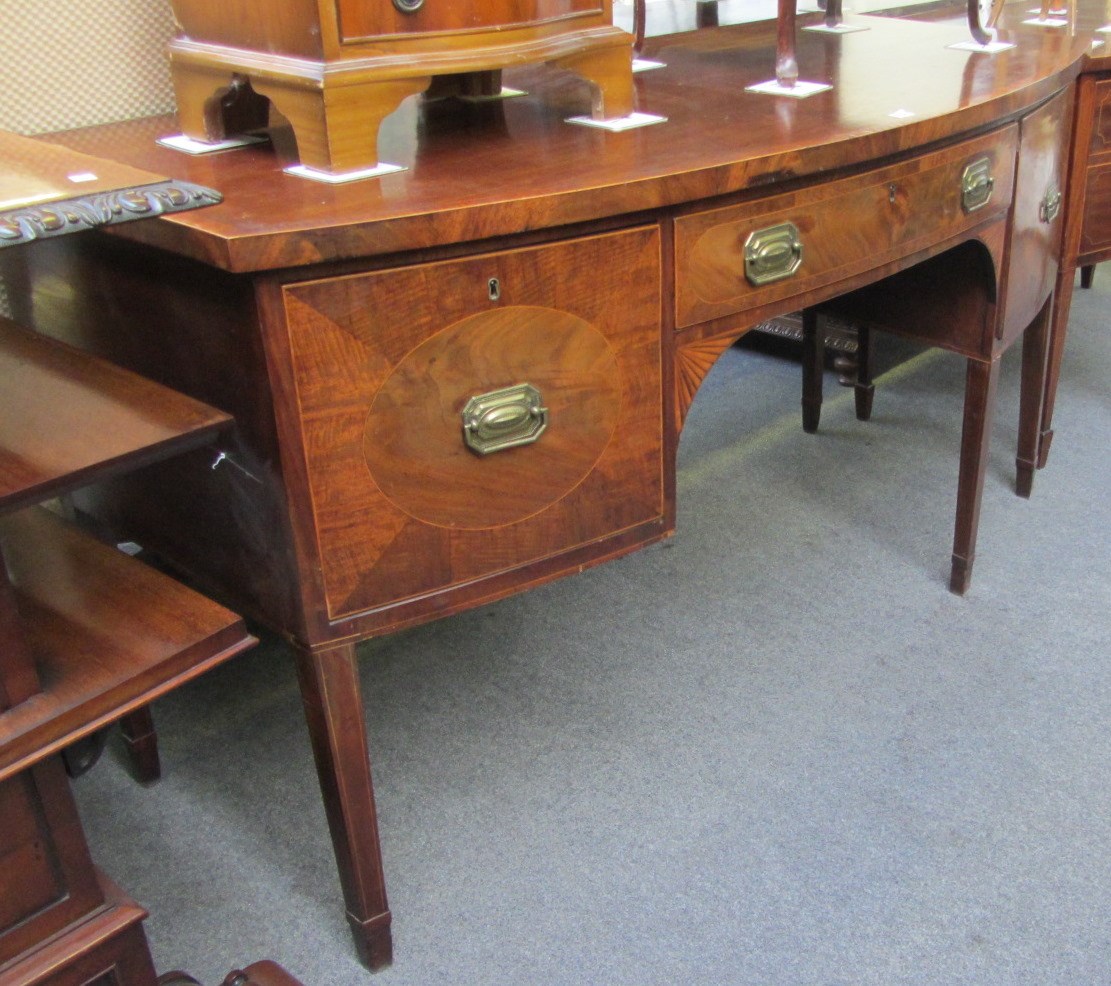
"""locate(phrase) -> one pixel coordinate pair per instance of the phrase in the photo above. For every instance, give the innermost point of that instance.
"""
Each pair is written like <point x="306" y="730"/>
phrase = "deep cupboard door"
<point x="471" y="417"/>
<point x="1036" y="234"/>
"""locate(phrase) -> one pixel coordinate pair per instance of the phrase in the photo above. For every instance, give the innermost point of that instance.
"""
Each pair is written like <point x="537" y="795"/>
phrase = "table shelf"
<point x="107" y="633"/>
<point x="68" y="418"/>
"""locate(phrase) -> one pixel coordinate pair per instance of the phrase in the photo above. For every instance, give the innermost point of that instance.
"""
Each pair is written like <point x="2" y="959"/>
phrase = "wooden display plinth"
<point x="336" y="68"/>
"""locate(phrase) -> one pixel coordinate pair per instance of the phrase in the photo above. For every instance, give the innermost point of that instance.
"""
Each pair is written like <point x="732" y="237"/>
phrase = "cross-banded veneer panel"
<point x="385" y="363"/>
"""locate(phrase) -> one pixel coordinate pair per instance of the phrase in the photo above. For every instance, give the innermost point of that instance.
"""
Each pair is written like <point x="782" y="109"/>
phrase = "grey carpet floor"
<point x="774" y="750"/>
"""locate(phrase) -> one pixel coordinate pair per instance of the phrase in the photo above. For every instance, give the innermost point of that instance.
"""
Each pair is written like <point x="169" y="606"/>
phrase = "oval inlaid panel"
<point x="413" y="441"/>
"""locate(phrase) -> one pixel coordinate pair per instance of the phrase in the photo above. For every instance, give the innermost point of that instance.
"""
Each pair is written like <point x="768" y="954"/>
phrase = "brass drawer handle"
<point x="408" y="6"/>
<point x="772" y="254"/>
<point x="1051" y="204"/>
<point x="977" y="184"/>
<point x="504" y="419"/>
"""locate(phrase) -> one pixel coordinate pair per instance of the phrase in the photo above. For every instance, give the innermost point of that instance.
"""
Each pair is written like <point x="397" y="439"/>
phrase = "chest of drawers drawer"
<point x="471" y="417"/>
<point x="1100" y="140"/>
<point x="741" y="257"/>
<point x="1096" y="234"/>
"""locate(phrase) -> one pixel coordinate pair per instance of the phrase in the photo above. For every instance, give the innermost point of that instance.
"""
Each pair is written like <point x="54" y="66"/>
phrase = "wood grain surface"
<point x="482" y="171"/>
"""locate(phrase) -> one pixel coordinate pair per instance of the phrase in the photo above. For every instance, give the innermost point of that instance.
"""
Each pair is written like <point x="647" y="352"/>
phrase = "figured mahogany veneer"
<point x="846" y="227"/>
<point x="384" y="364"/>
<point x="346" y="328"/>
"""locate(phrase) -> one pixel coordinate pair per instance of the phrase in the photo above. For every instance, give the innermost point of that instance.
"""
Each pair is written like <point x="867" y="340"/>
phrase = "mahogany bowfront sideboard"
<point x="468" y="378"/>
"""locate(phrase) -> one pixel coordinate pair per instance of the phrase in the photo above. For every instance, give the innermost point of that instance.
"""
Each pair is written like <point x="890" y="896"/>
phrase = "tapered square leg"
<point x="141" y="740"/>
<point x="1058" y="329"/>
<point x="330" y="691"/>
<point x="1035" y="350"/>
<point x="979" y="406"/>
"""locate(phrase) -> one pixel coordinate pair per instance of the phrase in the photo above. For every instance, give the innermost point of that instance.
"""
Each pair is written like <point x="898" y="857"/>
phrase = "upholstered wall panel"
<point x="66" y="64"/>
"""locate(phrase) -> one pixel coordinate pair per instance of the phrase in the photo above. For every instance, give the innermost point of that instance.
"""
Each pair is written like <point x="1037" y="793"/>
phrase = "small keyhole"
<point x="891" y="192"/>
<point x="495" y="289"/>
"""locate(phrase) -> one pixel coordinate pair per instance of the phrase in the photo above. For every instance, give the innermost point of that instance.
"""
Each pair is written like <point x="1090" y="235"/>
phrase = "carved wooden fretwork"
<point x="101" y="209"/>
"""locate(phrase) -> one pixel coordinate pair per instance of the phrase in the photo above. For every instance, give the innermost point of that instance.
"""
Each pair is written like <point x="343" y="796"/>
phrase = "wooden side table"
<point x="87" y="633"/>
<point x="90" y="634"/>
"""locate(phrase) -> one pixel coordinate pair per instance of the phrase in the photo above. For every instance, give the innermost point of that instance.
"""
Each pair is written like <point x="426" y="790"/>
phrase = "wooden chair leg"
<point x="1087" y="275"/>
<point x="863" y="389"/>
<point x="1035" y="351"/>
<point x="813" y="363"/>
<point x="979" y="405"/>
<point x="141" y="741"/>
<point x="329" y="680"/>
<point x="1058" y="330"/>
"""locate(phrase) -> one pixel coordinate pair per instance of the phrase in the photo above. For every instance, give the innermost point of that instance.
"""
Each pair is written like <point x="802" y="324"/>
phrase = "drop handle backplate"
<point x="772" y="254"/>
<point x="504" y="419"/>
<point x="977" y="184"/>
<point x="1051" y="204"/>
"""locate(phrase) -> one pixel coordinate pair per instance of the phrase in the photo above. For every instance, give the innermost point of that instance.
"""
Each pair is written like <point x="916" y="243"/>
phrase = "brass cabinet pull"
<point x="772" y="254"/>
<point x="1051" y="204"/>
<point x="408" y="6"/>
<point x="977" y="184"/>
<point x="504" y="419"/>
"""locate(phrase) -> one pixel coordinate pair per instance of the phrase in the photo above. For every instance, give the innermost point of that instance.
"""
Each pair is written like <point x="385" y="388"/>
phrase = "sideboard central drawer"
<point x="467" y="418"/>
<point x="740" y="257"/>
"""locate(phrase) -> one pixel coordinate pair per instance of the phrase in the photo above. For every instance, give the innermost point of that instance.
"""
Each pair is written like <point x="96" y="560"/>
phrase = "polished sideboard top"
<point x="477" y="171"/>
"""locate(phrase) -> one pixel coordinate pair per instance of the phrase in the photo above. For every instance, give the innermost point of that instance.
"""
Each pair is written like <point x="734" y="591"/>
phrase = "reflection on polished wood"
<point x="340" y="324"/>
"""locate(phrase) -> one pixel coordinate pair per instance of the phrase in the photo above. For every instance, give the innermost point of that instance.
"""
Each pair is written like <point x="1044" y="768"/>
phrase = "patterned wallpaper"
<point x="66" y="64"/>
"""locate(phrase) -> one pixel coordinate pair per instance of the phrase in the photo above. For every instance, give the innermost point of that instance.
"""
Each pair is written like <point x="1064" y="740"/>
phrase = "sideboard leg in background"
<point x="1058" y="331"/>
<point x="813" y="363"/>
<point x="1035" y="352"/>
